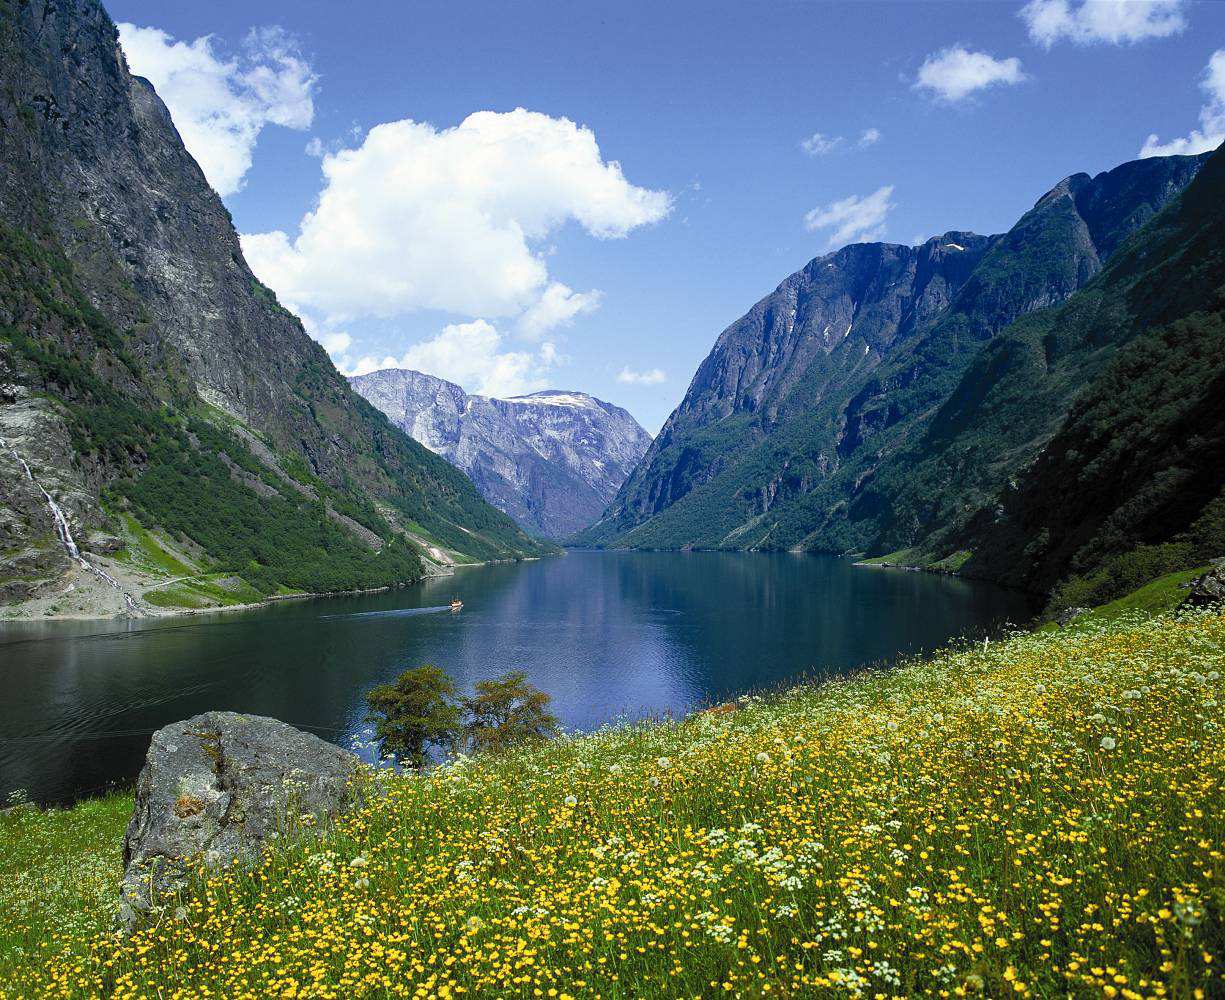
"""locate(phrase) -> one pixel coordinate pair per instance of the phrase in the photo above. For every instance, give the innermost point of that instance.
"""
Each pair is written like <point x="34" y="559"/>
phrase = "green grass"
<point x="1043" y="816"/>
<point x="59" y="871"/>
<point x="901" y="557"/>
<point x="145" y="551"/>
<point x="1159" y="596"/>
<point x="1163" y="594"/>
<point x="952" y="562"/>
<point x="218" y="590"/>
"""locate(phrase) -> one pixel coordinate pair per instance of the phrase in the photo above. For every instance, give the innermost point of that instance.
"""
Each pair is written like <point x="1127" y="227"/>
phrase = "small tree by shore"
<point x="421" y="710"/>
<point x="505" y="711"/>
<point x="415" y="712"/>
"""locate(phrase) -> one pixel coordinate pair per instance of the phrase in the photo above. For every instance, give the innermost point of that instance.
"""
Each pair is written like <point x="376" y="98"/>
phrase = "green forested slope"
<point x="144" y="371"/>
<point x="1130" y="485"/>
<point x="847" y="451"/>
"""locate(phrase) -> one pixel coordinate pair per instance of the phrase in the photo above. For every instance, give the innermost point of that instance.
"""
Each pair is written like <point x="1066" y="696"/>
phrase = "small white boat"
<point x="456" y="604"/>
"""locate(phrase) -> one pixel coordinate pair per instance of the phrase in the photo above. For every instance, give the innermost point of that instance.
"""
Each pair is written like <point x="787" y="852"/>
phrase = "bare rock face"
<point x="217" y="787"/>
<point x="552" y="460"/>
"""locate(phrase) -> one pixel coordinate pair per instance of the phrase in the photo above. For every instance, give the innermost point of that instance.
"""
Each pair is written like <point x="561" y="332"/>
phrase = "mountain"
<point x="803" y="427"/>
<point x="171" y="409"/>
<point x="1131" y="483"/>
<point x="552" y="460"/>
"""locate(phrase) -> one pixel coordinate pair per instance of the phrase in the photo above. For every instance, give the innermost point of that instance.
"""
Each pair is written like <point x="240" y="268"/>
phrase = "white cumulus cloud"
<point x="1111" y="22"/>
<point x="473" y="356"/>
<point x="1211" y="132"/>
<point x="452" y="219"/>
<point x="953" y="74"/>
<point x="557" y="306"/>
<point x="853" y="220"/>
<point x="870" y="137"/>
<point x="220" y="104"/>
<point x="652" y="376"/>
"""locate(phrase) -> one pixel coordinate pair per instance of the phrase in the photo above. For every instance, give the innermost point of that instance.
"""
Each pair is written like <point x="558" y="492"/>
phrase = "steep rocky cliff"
<point x="552" y="460"/>
<point x="796" y="429"/>
<point x="150" y="381"/>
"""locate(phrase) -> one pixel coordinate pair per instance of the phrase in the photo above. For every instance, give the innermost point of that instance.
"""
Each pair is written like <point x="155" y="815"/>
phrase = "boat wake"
<point x="393" y="613"/>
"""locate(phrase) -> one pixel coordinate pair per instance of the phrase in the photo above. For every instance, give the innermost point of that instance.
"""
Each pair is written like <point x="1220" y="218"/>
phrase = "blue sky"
<point x="511" y="254"/>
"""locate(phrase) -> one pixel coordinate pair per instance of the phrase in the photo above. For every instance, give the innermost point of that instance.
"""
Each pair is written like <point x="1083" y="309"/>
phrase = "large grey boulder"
<point x="1207" y="590"/>
<point x="217" y="787"/>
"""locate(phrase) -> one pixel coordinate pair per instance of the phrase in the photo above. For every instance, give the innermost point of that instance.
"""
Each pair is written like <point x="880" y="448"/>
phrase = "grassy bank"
<point x="1043" y="817"/>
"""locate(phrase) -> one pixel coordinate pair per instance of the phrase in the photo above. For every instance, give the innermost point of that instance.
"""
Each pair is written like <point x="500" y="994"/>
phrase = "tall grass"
<point x="1039" y="817"/>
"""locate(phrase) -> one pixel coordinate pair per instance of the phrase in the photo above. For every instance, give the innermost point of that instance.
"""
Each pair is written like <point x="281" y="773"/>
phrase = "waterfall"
<point x="64" y="530"/>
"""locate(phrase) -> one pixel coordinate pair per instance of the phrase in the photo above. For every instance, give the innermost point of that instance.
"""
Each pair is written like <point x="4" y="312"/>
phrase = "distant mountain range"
<point x="149" y="382"/>
<point x="551" y="460"/>
<point x="884" y="399"/>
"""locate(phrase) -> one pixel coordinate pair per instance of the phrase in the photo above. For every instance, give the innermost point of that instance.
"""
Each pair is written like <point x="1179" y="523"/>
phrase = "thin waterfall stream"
<point x="64" y="531"/>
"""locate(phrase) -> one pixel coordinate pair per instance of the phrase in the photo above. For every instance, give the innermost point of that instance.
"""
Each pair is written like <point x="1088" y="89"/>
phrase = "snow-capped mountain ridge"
<point x="550" y="459"/>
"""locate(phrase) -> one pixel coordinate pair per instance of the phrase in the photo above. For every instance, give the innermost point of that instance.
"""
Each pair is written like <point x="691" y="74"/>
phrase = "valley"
<point x="344" y="655"/>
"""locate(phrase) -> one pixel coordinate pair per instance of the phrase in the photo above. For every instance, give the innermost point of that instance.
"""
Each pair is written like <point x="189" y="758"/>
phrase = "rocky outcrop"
<point x="552" y="460"/>
<point x="1207" y="591"/>
<point x="218" y="787"/>
<point x="1069" y="615"/>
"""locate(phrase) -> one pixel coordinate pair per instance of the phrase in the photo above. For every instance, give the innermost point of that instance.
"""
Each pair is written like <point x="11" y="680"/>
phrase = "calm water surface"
<point x="607" y="634"/>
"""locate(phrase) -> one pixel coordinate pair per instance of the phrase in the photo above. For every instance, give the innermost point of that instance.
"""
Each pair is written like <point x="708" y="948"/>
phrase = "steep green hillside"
<point x="1130" y="486"/>
<point x="145" y="370"/>
<point x="814" y="448"/>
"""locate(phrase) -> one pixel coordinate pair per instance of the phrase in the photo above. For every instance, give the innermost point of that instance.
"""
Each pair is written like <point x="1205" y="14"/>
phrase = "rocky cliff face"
<point x="552" y="460"/>
<point x="130" y="319"/>
<point x="791" y="421"/>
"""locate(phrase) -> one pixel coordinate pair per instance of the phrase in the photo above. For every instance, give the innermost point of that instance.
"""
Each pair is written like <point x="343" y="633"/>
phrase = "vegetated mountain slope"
<point x="1130" y="485"/>
<point x="803" y="400"/>
<point x="146" y="370"/>
<point x="552" y="460"/>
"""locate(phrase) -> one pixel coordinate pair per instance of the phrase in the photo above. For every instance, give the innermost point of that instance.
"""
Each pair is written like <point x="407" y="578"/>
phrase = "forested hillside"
<point x="879" y="417"/>
<point x="1130" y="486"/>
<point x="150" y="382"/>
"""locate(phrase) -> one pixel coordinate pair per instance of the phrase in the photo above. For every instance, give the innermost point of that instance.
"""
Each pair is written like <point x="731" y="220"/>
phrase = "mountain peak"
<point x="552" y="459"/>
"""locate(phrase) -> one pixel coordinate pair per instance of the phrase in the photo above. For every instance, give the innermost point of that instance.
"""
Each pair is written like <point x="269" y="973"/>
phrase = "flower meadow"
<point x="1041" y="817"/>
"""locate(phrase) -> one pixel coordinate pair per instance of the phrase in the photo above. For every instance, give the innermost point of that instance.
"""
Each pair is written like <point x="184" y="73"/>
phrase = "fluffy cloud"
<point x="557" y="306"/>
<point x="472" y="356"/>
<point x="652" y="376"/>
<point x="819" y="144"/>
<point x="1211" y="116"/>
<point x="953" y="74"/>
<point x="452" y="219"/>
<point x="1113" y="22"/>
<point x="220" y="105"/>
<point x="853" y="219"/>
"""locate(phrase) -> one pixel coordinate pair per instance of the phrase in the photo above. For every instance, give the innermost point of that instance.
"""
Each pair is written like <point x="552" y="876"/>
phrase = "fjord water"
<point x="608" y="634"/>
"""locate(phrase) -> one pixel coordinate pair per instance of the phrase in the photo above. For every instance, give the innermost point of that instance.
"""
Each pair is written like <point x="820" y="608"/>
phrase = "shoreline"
<point x="151" y="612"/>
